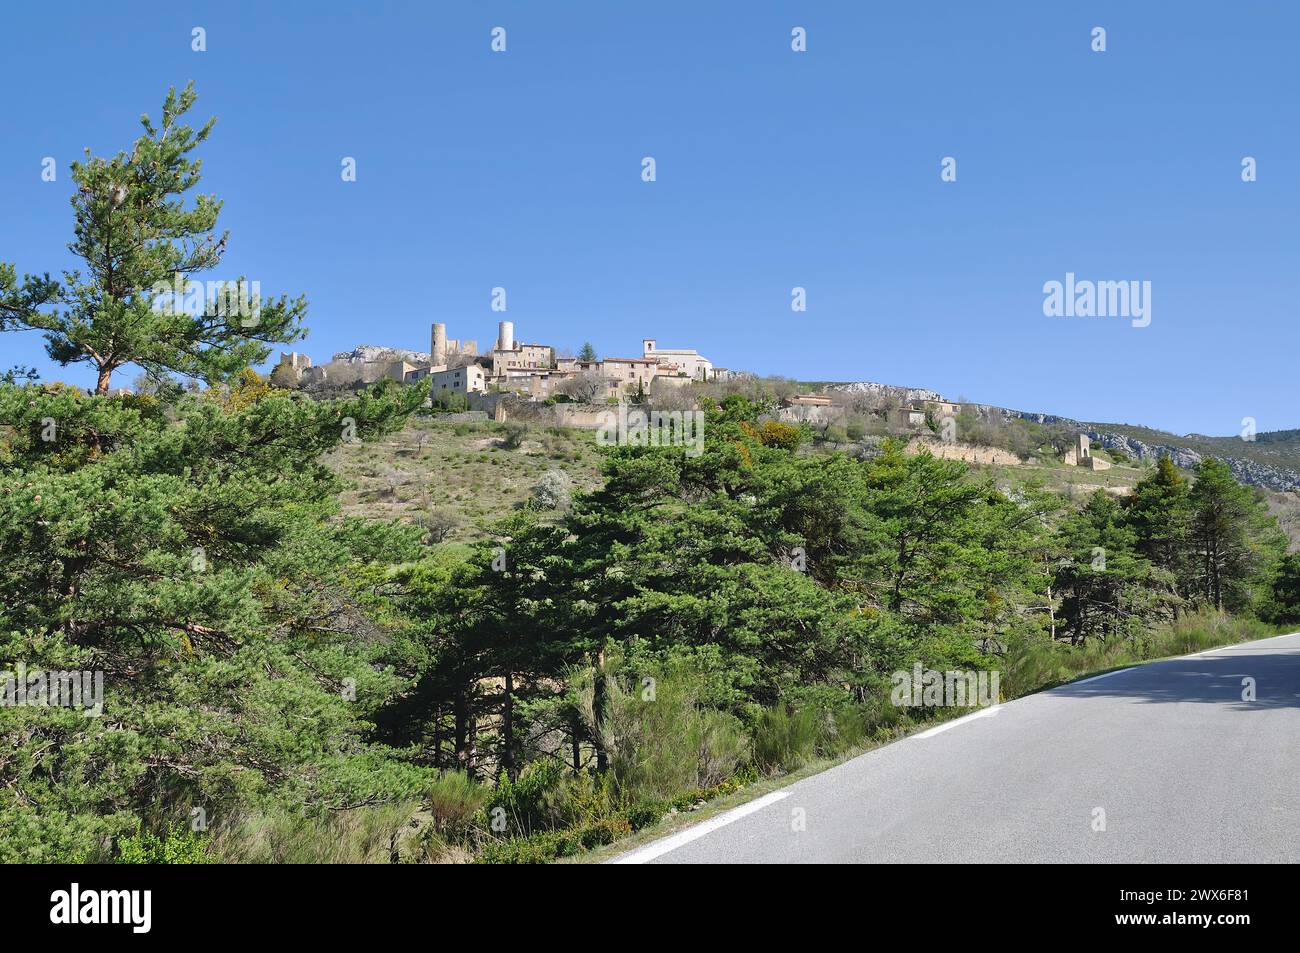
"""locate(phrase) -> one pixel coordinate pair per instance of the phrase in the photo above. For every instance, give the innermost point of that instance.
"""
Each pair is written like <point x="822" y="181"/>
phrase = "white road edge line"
<point x="982" y="713"/>
<point x="1085" y="681"/>
<point x="1234" y="645"/>
<point x="660" y="847"/>
<point x="986" y="712"/>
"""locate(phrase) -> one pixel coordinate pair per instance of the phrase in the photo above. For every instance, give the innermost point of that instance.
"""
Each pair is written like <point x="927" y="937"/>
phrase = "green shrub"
<point x="845" y="729"/>
<point x="429" y="847"/>
<point x="583" y="798"/>
<point x="513" y="434"/>
<point x="542" y="847"/>
<point x="454" y="799"/>
<point x="375" y="834"/>
<point x="530" y="803"/>
<point x="176" y="846"/>
<point x="688" y="800"/>
<point x="546" y="846"/>
<point x="646" y="813"/>
<point x="606" y="831"/>
<point x="665" y="741"/>
<point x="820" y="724"/>
<point x="539" y="848"/>
<point x="32" y="836"/>
<point x="785" y="738"/>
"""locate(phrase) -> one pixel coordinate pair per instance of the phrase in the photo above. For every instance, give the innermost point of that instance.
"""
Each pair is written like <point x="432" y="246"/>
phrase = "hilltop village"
<point x="531" y="371"/>
<point x="538" y="385"/>
<point x="519" y="380"/>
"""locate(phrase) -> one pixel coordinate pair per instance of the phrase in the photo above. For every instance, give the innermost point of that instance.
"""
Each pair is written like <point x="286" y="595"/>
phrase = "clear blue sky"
<point x="775" y="169"/>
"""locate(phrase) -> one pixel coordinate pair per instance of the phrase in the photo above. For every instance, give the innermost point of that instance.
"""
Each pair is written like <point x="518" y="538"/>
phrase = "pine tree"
<point x="19" y="301"/>
<point x="1160" y="514"/>
<point x="922" y="515"/>
<point x="1234" y="542"/>
<point x="1108" y="588"/>
<point x="1284" y="600"/>
<point x="194" y="566"/>
<point x="137" y="237"/>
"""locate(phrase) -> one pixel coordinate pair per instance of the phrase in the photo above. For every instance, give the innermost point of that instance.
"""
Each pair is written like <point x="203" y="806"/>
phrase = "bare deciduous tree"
<point x="587" y="387"/>
<point x="439" y="523"/>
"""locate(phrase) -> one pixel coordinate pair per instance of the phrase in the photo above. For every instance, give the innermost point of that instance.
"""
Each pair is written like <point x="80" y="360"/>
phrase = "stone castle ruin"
<point x="1080" y="455"/>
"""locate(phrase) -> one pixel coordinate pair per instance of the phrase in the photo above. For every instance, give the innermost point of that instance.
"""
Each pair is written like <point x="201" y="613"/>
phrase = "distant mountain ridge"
<point x="1271" y="460"/>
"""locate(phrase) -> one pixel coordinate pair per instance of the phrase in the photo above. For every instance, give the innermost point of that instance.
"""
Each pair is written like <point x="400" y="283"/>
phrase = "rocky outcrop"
<point x="885" y="390"/>
<point x="1182" y="457"/>
<point x="1248" y="472"/>
<point x="373" y="353"/>
<point x="1261" y="474"/>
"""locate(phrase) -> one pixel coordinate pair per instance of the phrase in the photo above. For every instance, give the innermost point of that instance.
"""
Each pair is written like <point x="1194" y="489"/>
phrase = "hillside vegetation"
<point x="457" y="479"/>
<point x="340" y="631"/>
<point x="323" y="687"/>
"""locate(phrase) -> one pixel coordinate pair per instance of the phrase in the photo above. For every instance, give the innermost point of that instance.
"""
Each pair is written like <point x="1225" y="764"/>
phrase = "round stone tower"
<point x="438" y="347"/>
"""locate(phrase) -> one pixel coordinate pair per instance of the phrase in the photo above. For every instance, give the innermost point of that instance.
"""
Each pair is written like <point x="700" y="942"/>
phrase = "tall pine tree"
<point x="136" y="236"/>
<point x="1160" y="514"/>
<point x="1234" y="542"/>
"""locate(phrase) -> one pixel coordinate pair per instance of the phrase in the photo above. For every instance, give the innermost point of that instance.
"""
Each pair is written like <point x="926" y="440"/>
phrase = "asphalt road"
<point x="1183" y="769"/>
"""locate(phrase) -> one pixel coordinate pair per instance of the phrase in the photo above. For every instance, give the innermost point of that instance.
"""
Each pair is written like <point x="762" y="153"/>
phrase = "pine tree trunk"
<point x="598" y="703"/>
<point x="508" y="727"/>
<point x="471" y="751"/>
<point x="464" y="734"/>
<point x="1051" y="612"/>
<point x="105" y="379"/>
<point x="1209" y="573"/>
<point x="1216" y="583"/>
